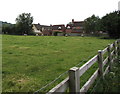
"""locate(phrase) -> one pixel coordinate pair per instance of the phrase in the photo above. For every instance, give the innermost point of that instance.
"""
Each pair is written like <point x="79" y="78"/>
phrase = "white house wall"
<point x="36" y="31"/>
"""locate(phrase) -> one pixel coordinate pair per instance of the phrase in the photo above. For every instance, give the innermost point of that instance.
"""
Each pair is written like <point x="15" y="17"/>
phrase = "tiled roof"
<point x="78" y="23"/>
<point x="39" y="27"/>
<point x="58" y="27"/>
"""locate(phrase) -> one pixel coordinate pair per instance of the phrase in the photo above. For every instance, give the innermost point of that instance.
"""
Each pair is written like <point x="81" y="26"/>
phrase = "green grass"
<point x="30" y="62"/>
<point x="111" y="82"/>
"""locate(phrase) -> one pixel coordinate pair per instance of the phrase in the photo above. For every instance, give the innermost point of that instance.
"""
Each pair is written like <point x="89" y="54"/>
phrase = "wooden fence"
<point x="73" y="81"/>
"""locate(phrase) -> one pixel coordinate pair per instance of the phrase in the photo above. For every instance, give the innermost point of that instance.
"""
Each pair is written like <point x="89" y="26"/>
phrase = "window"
<point x="59" y="28"/>
<point x="68" y="27"/>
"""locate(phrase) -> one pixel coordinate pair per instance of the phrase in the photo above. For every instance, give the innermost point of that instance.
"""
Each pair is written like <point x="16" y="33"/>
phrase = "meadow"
<point x="30" y="62"/>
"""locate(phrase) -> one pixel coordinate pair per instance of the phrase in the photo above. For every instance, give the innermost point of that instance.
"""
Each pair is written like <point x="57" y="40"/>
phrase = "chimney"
<point x="72" y="20"/>
<point x="51" y="26"/>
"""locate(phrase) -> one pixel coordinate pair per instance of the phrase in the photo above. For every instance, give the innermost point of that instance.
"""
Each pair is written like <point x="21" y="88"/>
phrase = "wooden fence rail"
<point x="73" y="81"/>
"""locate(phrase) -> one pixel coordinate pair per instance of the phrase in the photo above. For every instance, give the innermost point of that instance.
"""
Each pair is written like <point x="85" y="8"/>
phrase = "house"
<point x="42" y="29"/>
<point x="37" y="29"/>
<point x="75" y="28"/>
<point x="46" y="30"/>
<point x="58" y="30"/>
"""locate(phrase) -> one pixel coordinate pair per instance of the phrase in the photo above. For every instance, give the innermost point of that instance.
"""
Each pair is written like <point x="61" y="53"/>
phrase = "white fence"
<point x="73" y="81"/>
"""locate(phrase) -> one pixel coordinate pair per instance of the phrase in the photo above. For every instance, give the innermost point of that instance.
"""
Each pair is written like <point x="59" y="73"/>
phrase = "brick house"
<point x="58" y="30"/>
<point x="46" y="30"/>
<point x="75" y="28"/>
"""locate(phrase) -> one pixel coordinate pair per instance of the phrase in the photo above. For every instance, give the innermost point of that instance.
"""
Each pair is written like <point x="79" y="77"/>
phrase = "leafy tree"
<point x="8" y="28"/>
<point x="24" y="23"/>
<point x="92" y="24"/>
<point x="111" y="23"/>
<point x="5" y="29"/>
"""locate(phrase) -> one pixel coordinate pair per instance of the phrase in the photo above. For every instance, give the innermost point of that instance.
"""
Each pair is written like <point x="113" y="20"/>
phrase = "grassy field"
<point x="30" y="62"/>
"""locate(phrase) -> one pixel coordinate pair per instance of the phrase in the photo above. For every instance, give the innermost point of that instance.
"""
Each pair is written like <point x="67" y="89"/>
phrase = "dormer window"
<point x="68" y="27"/>
<point x="59" y="28"/>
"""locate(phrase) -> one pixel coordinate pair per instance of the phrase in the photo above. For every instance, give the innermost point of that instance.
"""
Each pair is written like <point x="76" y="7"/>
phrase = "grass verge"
<point x="111" y="82"/>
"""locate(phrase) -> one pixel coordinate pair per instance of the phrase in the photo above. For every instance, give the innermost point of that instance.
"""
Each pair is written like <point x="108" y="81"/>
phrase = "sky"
<point x="53" y="12"/>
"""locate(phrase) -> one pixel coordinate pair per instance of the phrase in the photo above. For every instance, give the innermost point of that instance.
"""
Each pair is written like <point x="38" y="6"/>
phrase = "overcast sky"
<point x="48" y="12"/>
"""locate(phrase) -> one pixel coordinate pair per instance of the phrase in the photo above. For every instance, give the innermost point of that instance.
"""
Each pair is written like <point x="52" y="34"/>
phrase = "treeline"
<point x="23" y="25"/>
<point x="8" y="28"/>
<point x="109" y="23"/>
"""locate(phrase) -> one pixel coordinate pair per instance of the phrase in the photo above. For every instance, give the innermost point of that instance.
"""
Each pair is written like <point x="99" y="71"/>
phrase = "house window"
<point x="68" y="27"/>
<point x="59" y="28"/>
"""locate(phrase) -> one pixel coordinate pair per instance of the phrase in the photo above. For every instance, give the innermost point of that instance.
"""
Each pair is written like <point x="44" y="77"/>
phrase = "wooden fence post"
<point x="74" y="80"/>
<point x="100" y="63"/>
<point x="118" y="42"/>
<point x="115" y="51"/>
<point x="109" y="57"/>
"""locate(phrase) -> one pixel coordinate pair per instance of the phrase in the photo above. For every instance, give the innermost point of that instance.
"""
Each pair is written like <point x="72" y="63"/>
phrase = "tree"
<point x="92" y="24"/>
<point x="24" y="23"/>
<point x="111" y="23"/>
<point x="8" y="28"/>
